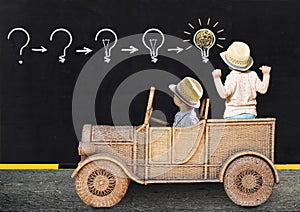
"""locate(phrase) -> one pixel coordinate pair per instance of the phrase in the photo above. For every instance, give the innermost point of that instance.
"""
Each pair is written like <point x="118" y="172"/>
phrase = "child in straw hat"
<point x="187" y="95"/>
<point x="241" y="84"/>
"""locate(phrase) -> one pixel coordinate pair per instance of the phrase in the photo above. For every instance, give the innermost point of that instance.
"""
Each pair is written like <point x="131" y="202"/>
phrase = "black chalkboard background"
<point x="36" y="97"/>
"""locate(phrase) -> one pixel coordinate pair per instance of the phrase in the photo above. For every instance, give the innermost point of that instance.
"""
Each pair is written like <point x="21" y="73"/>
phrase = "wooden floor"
<point x="55" y="191"/>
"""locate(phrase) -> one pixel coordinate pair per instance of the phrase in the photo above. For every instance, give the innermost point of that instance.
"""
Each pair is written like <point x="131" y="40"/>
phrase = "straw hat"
<point x="238" y="56"/>
<point x="189" y="91"/>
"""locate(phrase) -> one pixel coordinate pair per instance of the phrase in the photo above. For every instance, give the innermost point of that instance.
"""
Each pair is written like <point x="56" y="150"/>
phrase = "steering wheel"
<point x="148" y="110"/>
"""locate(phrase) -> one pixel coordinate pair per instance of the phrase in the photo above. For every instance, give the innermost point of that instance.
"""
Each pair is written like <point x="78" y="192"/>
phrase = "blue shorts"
<point x="242" y="116"/>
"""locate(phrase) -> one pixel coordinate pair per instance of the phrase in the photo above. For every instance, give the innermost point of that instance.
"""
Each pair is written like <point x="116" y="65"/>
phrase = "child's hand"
<point x="217" y="73"/>
<point x="265" y="69"/>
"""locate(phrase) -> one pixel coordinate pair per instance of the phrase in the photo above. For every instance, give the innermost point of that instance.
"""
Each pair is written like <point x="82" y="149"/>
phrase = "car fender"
<point x="252" y="153"/>
<point x="111" y="158"/>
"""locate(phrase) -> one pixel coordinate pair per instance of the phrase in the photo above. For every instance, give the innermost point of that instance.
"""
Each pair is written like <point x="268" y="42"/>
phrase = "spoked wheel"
<point x="101" y="184"/>
<point x="249" y="181"/>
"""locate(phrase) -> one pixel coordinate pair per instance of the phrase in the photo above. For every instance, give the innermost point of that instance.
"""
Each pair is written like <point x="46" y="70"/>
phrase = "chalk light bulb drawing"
<point x="204" y="39"/>
<point x="153" y="43"/>
<point x="107" y="43"/>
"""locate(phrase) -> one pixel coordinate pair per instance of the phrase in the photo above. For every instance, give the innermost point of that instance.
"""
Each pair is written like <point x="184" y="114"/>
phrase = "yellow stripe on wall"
<point x="28" y="166"/>
<point x="287" y="166"/>
<point x="55" y="166"/>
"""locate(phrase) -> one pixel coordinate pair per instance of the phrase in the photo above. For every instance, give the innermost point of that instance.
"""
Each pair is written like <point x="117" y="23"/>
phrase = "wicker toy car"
<point x="237" y="153"/>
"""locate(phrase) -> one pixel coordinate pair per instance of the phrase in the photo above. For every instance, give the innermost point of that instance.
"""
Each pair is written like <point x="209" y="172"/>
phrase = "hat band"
<point x="184" y="99"/>
<point x="236" y="66"/>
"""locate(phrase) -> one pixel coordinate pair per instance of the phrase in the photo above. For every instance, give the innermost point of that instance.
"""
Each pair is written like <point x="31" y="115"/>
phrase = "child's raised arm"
<point x="218" y="83"/>
<point x="262" y="86"/>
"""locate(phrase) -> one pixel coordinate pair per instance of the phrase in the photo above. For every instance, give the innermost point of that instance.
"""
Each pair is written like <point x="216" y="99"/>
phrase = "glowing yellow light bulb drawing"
<point x="204" y="38"/>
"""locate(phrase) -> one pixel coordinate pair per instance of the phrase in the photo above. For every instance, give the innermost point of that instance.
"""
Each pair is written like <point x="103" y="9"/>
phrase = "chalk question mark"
<point x="62" y="58"/>
<point x="27" y="42"/>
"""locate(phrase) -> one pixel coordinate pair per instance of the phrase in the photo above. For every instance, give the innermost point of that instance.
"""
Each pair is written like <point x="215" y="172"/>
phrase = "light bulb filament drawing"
<point x="108" y="46"/>
<point x="107" y="52"/>
<point x="152" y="42"/>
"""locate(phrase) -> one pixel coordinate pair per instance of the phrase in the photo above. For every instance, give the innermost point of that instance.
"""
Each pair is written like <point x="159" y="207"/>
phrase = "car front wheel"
<point x="101" y="184"/>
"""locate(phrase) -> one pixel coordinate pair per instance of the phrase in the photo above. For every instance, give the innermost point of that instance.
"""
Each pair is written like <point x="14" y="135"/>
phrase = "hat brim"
<point x="172" y="87"/>
<point x="235" y="67"/>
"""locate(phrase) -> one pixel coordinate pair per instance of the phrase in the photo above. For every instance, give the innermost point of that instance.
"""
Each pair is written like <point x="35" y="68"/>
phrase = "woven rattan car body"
<point x="237" y="153"/>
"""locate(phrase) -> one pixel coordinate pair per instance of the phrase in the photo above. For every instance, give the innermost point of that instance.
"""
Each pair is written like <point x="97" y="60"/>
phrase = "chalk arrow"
<point x="42" y="49"/>
<point x="85" y="50"/>
<point x="131" y="49"/>
<point x="178" y="49"/>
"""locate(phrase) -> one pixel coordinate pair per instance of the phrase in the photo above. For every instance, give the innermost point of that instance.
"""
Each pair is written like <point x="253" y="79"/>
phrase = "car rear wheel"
<point x="249" y="181"/>
<point x="101" y="184"/>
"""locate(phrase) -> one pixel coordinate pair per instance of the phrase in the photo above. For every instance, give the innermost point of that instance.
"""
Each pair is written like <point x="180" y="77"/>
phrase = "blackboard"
<point x="37" y="94"/>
